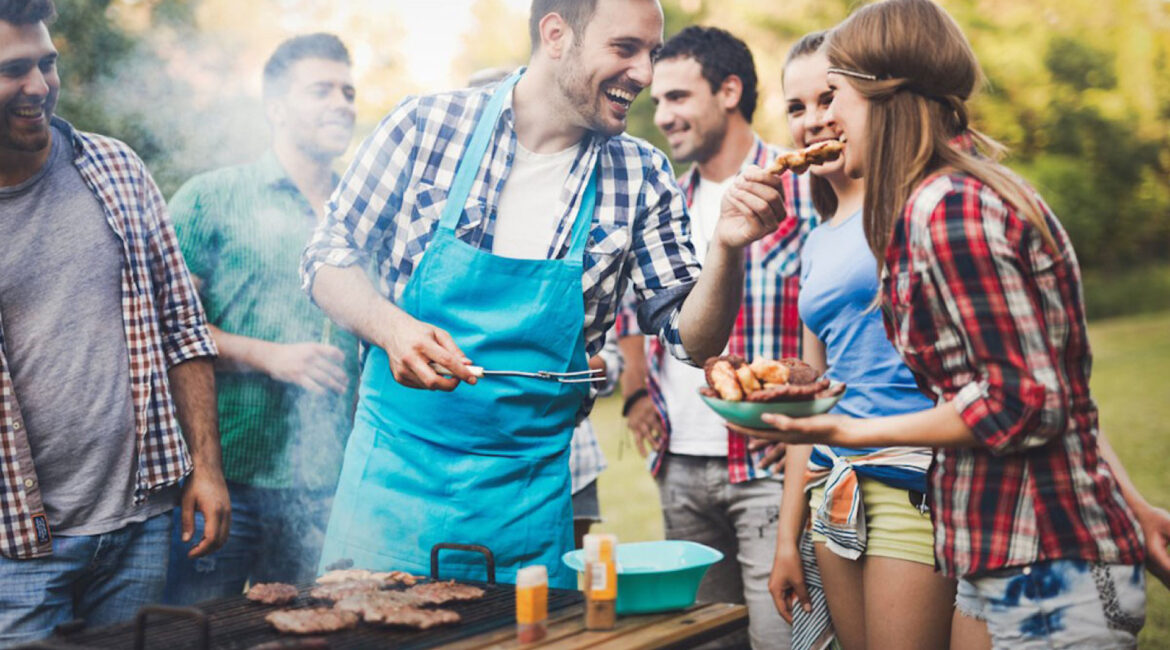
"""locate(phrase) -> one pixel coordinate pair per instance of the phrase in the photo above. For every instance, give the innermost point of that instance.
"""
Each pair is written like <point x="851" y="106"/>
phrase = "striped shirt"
<point x="768" y="324"/>
<point x="164" y="326"/>
<point x="390" y="200"/>
<point x="992" y="321"/>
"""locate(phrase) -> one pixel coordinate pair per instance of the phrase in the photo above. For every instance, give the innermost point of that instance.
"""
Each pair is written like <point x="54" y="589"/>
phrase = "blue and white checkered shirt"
<point x="391" y="197"/>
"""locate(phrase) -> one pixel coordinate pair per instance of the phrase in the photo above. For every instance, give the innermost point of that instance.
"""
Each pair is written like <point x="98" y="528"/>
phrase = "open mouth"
<point x="28" y="112"/>
<point x="620" y="96"/>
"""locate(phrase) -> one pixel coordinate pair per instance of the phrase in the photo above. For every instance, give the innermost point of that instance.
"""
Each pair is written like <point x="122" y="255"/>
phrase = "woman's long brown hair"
<point x="925" y="72"/>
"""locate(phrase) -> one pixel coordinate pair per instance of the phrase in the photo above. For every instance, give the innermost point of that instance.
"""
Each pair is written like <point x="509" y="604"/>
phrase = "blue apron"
<point x="486" y="464"/>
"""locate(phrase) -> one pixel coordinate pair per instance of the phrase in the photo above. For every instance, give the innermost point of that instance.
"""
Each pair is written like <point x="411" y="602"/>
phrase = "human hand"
<point x="774" y="454"/>
<point x="786" y="583"/>
<point x="205" y="492"/>
<point x="1155" y="525"/>
<point x="645" y="426"/>
<point x="316" y="367"/>
<point x="414" y="345"/>
<point x="818" y="429"/>
<point x="752" y="208"/>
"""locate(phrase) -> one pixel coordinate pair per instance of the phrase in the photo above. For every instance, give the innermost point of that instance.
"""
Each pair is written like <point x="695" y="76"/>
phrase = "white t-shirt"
<point x="527" y="216"/>
<point x="695" y="430"/>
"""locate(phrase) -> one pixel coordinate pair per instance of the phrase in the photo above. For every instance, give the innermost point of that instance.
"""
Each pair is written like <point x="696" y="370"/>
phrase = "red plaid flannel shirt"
<point x="164" y="325"/>
<point x="768" y="324"/>
<point x="990" y="320"/>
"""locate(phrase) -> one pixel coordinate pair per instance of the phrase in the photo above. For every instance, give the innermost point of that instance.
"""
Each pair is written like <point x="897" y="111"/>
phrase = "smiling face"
<point x="691" y="116"/>
<point x="807" y="93"/>
<point x="606" y="67"/>
<point x="317" y="111"/>
<point x="28" y="87"/>
<point x="849" y="113"/>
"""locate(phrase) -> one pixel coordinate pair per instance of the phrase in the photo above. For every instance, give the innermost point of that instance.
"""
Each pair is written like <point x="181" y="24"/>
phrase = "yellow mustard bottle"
<point x="600" y="581"/>
<point x="531" y="603"/>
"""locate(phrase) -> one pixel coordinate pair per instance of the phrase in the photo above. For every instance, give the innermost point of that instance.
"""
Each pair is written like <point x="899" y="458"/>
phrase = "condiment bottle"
<point x="531" y="603"/>
<point x="600" y="581"/>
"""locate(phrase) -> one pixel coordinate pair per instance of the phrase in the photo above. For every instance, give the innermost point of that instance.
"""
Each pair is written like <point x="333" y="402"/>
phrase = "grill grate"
<point x="237" y="623"/>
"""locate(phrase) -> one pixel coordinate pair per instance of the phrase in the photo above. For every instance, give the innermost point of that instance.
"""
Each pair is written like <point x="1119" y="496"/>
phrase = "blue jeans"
<point x="102" y="579"/>
<point x="276" y="536"/>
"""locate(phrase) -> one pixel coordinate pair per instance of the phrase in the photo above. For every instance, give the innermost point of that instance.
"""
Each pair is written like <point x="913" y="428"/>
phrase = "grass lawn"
<point x="1131" y="383"/>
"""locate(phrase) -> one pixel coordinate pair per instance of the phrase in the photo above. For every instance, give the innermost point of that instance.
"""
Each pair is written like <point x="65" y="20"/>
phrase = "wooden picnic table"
<point x="679" y="629"/>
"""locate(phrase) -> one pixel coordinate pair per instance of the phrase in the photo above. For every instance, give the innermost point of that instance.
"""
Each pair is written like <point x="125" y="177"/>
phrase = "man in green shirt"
<point x="286" y="376"/>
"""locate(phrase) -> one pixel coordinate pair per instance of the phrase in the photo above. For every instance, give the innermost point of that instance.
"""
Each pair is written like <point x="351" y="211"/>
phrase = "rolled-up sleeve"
<point x="182" y="323"/>
<point x="361" y="216"/>
<point x="975" y="277"/>
<point x="666" y="267"/>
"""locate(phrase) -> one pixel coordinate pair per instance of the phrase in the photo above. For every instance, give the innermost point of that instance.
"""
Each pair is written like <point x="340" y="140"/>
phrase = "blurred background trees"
<point x="1078" y="89"/>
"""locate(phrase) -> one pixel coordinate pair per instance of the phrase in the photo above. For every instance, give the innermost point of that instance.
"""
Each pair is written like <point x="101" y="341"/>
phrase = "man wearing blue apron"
<point x="504" y="223"/>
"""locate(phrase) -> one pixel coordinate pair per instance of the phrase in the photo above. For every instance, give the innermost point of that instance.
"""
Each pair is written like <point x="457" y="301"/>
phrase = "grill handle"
<point x="192" y="613"/>
<point x="474" y="548"/>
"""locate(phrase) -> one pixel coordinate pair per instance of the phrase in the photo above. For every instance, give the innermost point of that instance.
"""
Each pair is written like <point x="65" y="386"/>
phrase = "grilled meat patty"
<point x="311" y="621"/>
<point x="337" y="591"/>
<point x="272" y="593"/>
<point x="437" y="593"/>
<point x="351" y="575"/>
<point x="396" y="608"/>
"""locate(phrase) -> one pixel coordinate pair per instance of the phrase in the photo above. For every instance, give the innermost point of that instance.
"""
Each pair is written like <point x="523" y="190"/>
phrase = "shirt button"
<point x="28" y="482"/>
<point x="16" y="426"/>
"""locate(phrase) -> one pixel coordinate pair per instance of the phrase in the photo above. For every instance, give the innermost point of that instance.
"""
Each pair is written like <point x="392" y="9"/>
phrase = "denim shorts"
<point x="1058" y="604"/>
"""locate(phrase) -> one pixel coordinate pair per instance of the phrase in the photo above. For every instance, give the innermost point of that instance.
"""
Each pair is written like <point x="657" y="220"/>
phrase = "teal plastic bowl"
<point x="655" y="576"/>
<point x="750" y="414"/>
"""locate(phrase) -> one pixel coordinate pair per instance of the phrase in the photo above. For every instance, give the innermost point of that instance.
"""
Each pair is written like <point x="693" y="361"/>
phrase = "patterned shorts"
<point x="1058" y="604"/>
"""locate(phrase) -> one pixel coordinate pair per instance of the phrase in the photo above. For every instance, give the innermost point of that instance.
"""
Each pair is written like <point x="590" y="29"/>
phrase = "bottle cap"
<point x="595" y="542"/>
<point x="532" y="576"/>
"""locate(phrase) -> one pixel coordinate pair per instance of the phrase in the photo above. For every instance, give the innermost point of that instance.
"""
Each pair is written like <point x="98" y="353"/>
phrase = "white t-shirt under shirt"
<point x="527" y="216"/>
<point x="695" y="430"/>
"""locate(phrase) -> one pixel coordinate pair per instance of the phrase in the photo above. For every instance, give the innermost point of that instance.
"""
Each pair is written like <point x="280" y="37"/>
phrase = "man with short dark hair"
<point x="107" y="395"/>
<point x="504" y="224"/>
<point x="286" y="376"/>
<point x="714" y="489"/>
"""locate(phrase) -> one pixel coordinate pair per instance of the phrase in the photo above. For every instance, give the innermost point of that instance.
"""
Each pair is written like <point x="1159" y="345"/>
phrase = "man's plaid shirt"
<point x="990" y="320"/>
<point x="164" y="326"/>
<point x="768" y="324"/>
<point x="391" y="197"/>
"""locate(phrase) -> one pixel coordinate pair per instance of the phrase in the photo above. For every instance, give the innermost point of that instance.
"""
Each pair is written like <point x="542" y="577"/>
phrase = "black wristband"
<point x="633" y="399"/>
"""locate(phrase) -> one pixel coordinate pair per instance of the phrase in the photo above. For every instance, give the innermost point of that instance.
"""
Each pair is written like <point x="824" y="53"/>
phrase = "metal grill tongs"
<point x="579" y="377"/>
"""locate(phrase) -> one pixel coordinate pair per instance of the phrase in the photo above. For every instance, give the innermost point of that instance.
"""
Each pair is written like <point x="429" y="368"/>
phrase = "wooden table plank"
<point x="566" y="630"/>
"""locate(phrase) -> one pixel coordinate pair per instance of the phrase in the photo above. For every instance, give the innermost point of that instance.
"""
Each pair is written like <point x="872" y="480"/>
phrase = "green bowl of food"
<point x="750" y="414"/>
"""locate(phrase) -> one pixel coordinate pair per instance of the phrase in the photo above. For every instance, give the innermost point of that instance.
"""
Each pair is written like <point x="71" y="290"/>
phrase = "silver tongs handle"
<point x="579" y="377"/>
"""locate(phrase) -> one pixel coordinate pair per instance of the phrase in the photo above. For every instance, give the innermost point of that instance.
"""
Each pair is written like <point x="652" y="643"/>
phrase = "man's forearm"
<point x="709" y="312"/>
<point x="1128" y="490"/>
<point x="193" y="390"/>
<point x="238" y="353"/>
<point x="633" y="349"/>
<point x="348" y="297"/>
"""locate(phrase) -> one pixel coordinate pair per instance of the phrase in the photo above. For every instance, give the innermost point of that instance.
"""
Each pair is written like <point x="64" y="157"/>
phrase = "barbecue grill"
<point x="237" y="623"/>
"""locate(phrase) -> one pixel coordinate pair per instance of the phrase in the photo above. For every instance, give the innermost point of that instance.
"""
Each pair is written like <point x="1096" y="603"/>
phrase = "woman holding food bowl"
<point x="876" y="562"/>
<point x="981" y="295"/>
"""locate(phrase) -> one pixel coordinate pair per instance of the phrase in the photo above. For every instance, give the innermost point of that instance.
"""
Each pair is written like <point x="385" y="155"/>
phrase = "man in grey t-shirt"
<point x="104" y="357"/>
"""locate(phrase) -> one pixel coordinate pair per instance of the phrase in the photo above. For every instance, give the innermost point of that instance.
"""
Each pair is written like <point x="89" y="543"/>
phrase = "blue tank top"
<point x="838" y="282"/>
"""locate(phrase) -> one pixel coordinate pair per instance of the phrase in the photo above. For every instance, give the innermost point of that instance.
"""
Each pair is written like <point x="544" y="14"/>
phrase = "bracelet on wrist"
<point x="632" y="399"/>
